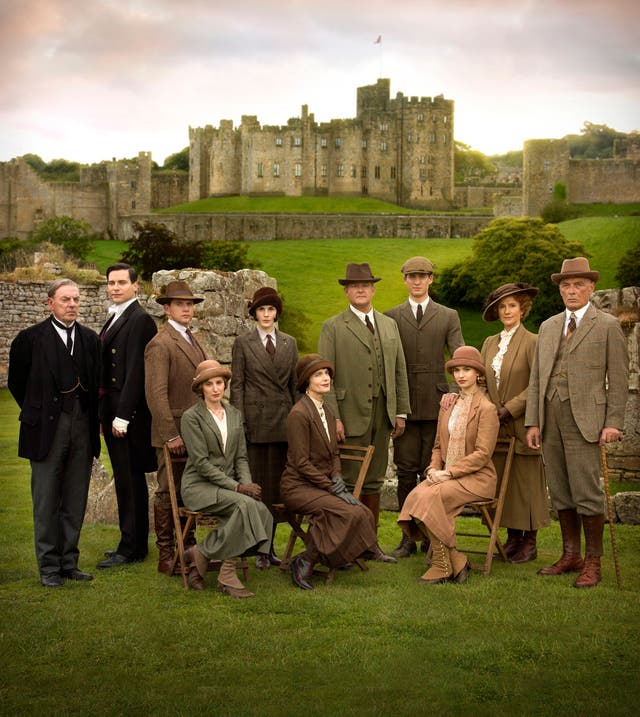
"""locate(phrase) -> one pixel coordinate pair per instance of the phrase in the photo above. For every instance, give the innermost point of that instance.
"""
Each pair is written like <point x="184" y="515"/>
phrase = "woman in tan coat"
<point x="507" y="358"/>
<point x="460" y="470"/>
<point x="341" y="529"/>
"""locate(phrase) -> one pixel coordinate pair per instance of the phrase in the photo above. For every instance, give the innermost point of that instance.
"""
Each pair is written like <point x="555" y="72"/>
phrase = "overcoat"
<point x="338" y="531"/>
<point x="345" y="341"/>
<point x="473" y="477"/>
<point x="32" y="382"/>
<point x="597" y="372"/>
<point x="123" y="346"/>
<point x="526" y="505"/>
<point x="263" y="388"/>
<point x="424" y="347"/>
<point x="170" y="365"/>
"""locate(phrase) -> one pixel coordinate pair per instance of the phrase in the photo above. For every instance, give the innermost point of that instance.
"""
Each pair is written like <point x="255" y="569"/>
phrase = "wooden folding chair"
<point x="348" y="452"/>
<point x="193" y="518"/>
<point x="491" y="511"/>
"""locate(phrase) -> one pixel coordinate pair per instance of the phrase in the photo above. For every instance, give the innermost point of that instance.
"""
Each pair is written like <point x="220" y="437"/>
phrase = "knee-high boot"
<point x="593" y="528"/>
<point x="163" y="524"/>
<point x="571" y="559"/>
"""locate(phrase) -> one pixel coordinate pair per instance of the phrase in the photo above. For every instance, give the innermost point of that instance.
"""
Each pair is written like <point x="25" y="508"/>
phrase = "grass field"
<point x="376" y="643"/>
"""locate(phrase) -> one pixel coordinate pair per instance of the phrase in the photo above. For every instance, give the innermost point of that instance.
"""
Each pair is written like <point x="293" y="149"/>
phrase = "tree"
<point x="179" y="160"/>
<point x="74" y="235"/>
<point x="628" y="273"/>
<point x="470" y="164"/>
<point x="595" y="141"/>
<point x="154" y="247"/>
<point x="508" y="250"/>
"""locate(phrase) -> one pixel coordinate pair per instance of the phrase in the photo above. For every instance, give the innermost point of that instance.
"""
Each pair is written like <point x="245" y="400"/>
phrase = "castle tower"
<point x="544" y="163"/>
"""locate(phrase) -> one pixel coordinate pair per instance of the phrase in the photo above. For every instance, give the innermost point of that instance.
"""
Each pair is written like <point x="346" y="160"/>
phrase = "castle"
<point x="397" y="149"/>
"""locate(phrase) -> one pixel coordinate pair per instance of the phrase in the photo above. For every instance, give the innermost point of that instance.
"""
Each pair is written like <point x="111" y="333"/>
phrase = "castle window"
<point x="421" y="160"/>
<point x="133" y="204"/>
<point x="323" y="170"/>
<point x="420" y="117"/>
<point x="323" y="142"/>
<point x="384" y="127"/>
<point x="423" y="175"/>
<point x="383" y="146"/>
<point x="546" y="165"/>
<point x="363" y="172"/>
<point x="260" y="169"/>
<point x="278" y="141"/>
<point x="432" y="137"/>
<point x="444" y="139"/>
<point x="393" y="172"/>
<point x="376" y="171"/>
<point x="298" y="169"/>
<point x="338" y="142"/>
<point x="409" y="138"/>
<point x="353" y="170"/>
<point x="444" y="119"/>
<point x="297" y="141"/>
<point x="276" y="169"/>
<point x="364" y="144"/>
<point x="134" y="184"/>
<point x="340" y="170"/>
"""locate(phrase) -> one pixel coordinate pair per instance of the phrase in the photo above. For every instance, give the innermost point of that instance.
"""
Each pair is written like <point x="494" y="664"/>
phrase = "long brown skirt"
<point x="266" y="463"/>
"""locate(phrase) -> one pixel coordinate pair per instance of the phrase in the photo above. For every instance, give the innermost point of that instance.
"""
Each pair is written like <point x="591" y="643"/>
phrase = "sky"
<point x="88" y="80"/>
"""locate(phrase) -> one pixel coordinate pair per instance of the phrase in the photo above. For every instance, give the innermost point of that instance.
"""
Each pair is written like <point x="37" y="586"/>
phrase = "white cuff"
<point x="120" y="424"/>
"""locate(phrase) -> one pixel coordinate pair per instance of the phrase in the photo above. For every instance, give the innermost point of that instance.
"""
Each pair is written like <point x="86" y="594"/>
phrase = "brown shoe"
<point x="568" y="563"/>
<point x="590" y="575"/>
<point x="164" y="566"/>
<point x="406" y="548"/>
<point x="235" y="592"/>
<point x="195" y="579"/>
<point x="194" y="557"/>
<point x="514" y="542"/>
<point x="528" y="550"/>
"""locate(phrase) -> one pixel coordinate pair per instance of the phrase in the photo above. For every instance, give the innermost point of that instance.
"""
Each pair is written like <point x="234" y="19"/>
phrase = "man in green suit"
<point x="370" y="393"/>
<point x="576" y="400"/>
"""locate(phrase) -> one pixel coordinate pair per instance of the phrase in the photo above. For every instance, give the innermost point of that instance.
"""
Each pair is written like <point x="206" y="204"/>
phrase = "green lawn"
<point x="376" y="643"/>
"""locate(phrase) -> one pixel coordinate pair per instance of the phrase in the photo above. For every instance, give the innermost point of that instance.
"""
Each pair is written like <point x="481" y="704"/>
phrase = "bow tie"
<point x="112" y="309"/>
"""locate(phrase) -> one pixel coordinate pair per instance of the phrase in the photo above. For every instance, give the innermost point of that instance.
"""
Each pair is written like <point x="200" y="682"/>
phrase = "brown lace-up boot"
<point x="593" y="528"/>
<point x="571" y="560"/>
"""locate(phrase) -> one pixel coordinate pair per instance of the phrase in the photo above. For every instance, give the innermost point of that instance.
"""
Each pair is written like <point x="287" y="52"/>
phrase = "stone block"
<point x="627" y="507"/>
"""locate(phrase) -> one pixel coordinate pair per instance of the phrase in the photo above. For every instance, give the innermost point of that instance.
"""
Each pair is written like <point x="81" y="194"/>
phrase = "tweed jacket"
<point x="475" y="472"/>
<point x="169" y="367"/>
<point x="424" y="347"/>
<point x="514" y="381"/>
<point x="208" y="464"/>
<point x="346" y="342"/>
<point x="598" y="372"/>
<point x="312" y="456"/>
<point x="33" y="382"/>
<point x="263" y="388"/>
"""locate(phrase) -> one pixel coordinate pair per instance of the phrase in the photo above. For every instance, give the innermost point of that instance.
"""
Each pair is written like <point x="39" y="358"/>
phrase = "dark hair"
<point x="121" y="266"/>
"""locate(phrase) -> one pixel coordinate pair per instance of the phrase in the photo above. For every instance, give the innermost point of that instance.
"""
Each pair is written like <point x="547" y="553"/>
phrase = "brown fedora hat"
<point x="358" y="273"/>
<point x="308" y="365"/>
<point x="206" y="370"/>
<point x="495" y="297"/>
<point x="265" y="296"/>
<point x="177" y="290"/>
<point x="466" y="356"/>
<point x="575" y="268"/>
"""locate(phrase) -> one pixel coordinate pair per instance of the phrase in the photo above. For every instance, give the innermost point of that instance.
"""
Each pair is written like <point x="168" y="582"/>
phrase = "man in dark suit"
<point x="125" y="417"/>
<point x="427" y="329"/>
<point x="54" y="369"/>
<point x="370" y="394"/>
<point x="577" y="395"/>
<point x="170" y="362"/>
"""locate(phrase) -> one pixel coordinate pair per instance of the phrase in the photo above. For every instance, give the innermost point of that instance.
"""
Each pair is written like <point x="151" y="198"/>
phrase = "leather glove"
<point x="347" y="497"/>
<point x="253" y="490"/>
<point x="503" y="414"/>
<point x="338" y="485"/>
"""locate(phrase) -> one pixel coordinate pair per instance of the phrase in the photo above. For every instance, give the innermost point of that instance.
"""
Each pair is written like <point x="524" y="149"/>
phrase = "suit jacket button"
<point x="113" y="380"/>
<point x="113" y="351"/>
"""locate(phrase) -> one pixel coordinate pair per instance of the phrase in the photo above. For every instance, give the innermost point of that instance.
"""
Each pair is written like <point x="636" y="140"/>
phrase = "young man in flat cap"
<point x="576" y="400"/>
<point x="370" y="393"/>
<point x="427" y="330"/>
<point x="170" y="361"/>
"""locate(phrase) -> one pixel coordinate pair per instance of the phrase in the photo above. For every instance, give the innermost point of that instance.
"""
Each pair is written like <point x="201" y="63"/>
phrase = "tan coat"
<point x="473" y="477"/>
<point x="170" y="365"/>
<point x="526" y="505"/>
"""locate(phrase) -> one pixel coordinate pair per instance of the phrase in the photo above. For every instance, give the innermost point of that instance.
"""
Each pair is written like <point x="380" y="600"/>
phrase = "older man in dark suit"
<point x="576" y="400"/>
<point x="54" y="369"/>
<point x="125" y="417"/>
<point x="170" y="361"/>
<point x="427" y="330"/>
<point x="370" y="393"/>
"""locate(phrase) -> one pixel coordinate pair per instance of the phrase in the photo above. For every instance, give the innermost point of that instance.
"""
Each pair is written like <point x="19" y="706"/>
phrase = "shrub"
<point x="628" y="273"/>
<point x="74" y="235"/>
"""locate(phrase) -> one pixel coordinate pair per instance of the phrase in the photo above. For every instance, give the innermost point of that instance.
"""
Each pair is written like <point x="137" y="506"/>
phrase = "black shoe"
<point x="461" y="577"/>
<point x="110" y="553"/>
<point x="51" y="581"/>
<point x="115" y="561"/>
<point x="76" y="574"/>
<point x="406" y="548"/>
<point x="274" y="559"/>
<point x="300" y="570"/>
<point x="262" y="562"/>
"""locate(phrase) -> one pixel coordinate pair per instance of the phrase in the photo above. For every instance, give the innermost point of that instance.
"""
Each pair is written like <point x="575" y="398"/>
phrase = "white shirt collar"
<point x="179" y="327"/>
<point x="361" y="315"/>
<point x="119" y="309"/>
<point x="263" y="336"/>
<point x="579" y="314"/>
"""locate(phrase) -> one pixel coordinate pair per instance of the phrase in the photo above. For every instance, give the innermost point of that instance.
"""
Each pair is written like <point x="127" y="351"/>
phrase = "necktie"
<point x="271" y="349"/>
<point x="368" y="324"/>
<point x="68" y="329"/>
<point x="571" y="326"/>
<point x="323" y="418"/>
<point x="190" y="337"/>
<point x="419" y="313"/>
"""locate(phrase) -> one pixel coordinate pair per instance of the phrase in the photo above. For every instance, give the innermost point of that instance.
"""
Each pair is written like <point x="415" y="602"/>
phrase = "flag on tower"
<point x="378" y="40"/>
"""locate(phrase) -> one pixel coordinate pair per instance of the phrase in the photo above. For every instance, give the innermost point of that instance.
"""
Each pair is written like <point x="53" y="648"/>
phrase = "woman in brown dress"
<point x="507" y="358"/>
<point x="460" y="470"/>
<point x="341" y="529"/>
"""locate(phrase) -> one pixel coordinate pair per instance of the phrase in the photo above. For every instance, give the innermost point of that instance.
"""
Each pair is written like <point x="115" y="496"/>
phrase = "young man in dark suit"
<point x="125" y="417"/>
<point x="54" y="370"/>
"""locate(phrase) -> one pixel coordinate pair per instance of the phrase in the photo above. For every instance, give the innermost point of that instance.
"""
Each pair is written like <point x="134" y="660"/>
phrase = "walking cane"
<point x="607" y="492"/>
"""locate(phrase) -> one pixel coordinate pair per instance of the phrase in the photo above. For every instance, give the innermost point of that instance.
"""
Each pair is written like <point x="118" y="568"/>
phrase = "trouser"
<point x="412" y="454"/>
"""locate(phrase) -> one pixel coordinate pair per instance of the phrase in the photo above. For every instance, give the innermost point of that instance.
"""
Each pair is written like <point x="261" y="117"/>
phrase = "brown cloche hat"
<point x="417" y="265"/>
<point x="495" y="297"/>
<point x="574" y="268"/>
<point x="308" y="365"/>
<point x="466" y="356"/>
<point x="358" y="273"/>
<point x="265" y="296"/>
<point x="177" y="290"/>
<point x="206" y="370"/>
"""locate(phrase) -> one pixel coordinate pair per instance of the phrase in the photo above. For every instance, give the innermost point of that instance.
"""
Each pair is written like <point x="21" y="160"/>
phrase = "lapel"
<point x="587" y="323"/>
<point x="490" y="377"/>
<point x="194" y="354"/>
<point x="50" y="339"/>
<point x="316" y="420"/>
<point x="212" y="425"/>
<point x="429" y="314"/>
<point x="556" y="326"/>
<point x="354" y="326"/>
<point x="407" y="314"/>
<point x="509" y="358"/>
<point x="115" y="328"/>
<point x="262" y="357"/>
